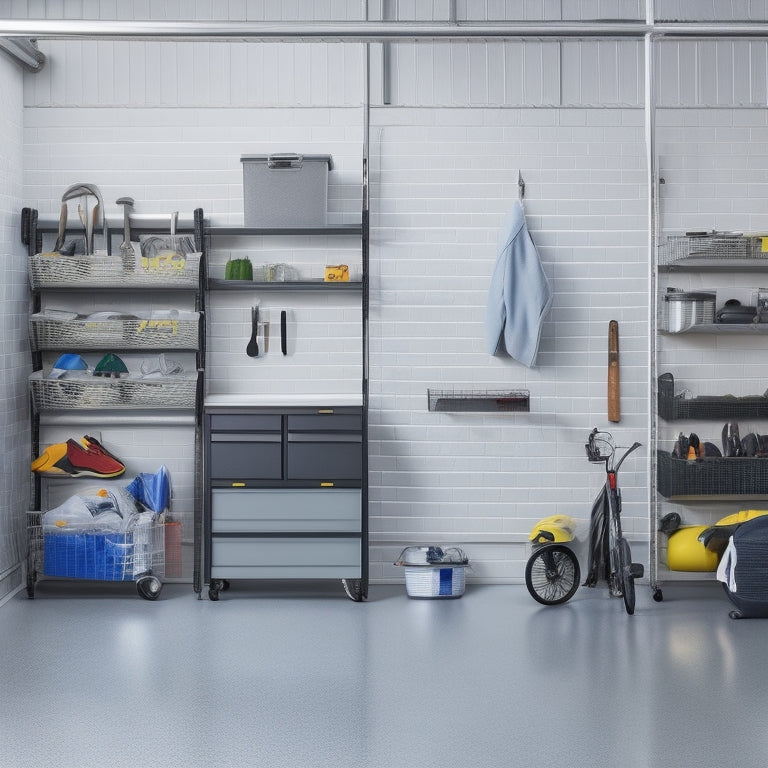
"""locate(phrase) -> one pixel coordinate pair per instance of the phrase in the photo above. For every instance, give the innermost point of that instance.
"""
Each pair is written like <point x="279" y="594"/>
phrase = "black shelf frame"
<point x="33" y="230"/>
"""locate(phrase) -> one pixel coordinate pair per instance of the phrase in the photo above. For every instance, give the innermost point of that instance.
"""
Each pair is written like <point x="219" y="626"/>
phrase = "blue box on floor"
<point x="81" y="555"/>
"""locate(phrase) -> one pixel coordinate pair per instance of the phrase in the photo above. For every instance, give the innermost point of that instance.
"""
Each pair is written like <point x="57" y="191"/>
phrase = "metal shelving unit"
<point x="88" y="401"/>
<point x="704" y="487"/>
<point x="254" y="545"/>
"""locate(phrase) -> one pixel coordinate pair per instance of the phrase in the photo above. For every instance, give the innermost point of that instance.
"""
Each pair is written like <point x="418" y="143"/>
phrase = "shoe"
<point x="110" y="365"/>
<point x="83" y="461"/>
<point x="731" y="441"/>
<point x="680" y="451"/>
<point x="46" y="461"/>
<point x="93" y="445"/>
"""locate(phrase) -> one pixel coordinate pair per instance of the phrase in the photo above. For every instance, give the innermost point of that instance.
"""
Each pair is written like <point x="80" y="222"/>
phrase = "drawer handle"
<point x="247" y="438"/>
<point x="308" y="437"/>
<point x="326" y="485"/>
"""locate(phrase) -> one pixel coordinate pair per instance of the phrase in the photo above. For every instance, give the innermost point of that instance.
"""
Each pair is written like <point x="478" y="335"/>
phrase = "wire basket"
<point x="517" y="401"/>
<point x="741" y="476"/>
<point x="104" y="271"/>
<point x="140" y="333"/>
<point x="712" y="407"/>
<point x="103" y="555"/>
<point x="86" y="391"/>
<point x="710" y="246"/>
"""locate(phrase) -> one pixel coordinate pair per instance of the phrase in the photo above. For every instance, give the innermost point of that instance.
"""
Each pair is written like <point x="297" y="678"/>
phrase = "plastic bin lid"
<point x="432" y="556"/>
<point x="287" y="155"/>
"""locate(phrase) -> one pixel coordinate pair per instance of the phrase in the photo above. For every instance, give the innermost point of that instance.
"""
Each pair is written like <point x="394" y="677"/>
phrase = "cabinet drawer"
<point x="322" y="422"/>
<point x="323" y="458"/>
<point x="244" y="422"/>
<point x="249" y="510"/>
<point x="245" y="456"/>
<point x="285" y="558"/>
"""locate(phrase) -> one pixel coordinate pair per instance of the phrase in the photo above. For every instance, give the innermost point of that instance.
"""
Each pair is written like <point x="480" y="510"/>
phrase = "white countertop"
<point x="278" y="400"/>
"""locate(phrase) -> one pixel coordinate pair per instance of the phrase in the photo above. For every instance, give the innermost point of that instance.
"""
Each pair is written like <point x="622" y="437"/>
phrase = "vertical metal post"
<point x="364" y="238"/>
<point x="653" y="229"/>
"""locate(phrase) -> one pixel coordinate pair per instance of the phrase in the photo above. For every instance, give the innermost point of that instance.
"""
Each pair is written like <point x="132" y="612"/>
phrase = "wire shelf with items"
<point x="462" y="400"/>
<point x="172" y="329"/>
<point x="734" y="476"/>
<point x="673" y="407"/>
<point x="85" y="391"/>
<point x="53" y="270"/>
<point x="702" y="248"/>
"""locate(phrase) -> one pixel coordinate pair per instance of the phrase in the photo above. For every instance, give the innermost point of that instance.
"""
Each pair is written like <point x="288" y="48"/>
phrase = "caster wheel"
<point x="149" y="587"/>
<point x="217" y="585"/>
<point x="354" y="589"/>
<point x="735" y="614"/>
<point x="657" y="596"/>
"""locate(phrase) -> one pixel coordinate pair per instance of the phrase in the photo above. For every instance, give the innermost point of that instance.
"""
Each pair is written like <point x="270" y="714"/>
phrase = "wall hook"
<point x="520" y="186"/>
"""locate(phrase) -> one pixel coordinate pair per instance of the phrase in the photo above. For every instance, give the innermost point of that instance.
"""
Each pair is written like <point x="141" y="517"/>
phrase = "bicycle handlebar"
<point x="594" y="454"/>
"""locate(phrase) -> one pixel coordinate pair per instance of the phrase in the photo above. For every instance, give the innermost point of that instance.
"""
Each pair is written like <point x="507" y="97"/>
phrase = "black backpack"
<point x="743" y="569"/>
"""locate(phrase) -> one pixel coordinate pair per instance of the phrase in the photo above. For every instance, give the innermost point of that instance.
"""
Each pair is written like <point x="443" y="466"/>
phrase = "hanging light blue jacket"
<point x="519" y="297"/>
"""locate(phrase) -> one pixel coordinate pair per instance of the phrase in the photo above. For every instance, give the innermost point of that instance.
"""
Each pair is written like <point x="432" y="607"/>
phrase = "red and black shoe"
<point x="84" y="461"/>
<point x="93" y="445"/>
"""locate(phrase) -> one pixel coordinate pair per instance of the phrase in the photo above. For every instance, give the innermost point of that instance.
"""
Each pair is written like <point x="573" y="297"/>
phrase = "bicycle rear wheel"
<point x="552" y="574"/>
<point x="626" y="577"/>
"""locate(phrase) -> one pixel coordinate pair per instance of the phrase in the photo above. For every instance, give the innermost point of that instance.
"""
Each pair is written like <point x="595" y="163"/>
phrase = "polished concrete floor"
<point x="92" y="675"/>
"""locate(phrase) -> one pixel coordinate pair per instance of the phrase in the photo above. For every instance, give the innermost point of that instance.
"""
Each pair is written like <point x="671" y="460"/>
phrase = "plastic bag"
<point x="152" y="490"/>
<point x="93" y="509"/>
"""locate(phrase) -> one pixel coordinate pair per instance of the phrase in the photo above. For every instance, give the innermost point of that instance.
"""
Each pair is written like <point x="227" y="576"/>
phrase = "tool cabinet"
<point x="284" y="496"/>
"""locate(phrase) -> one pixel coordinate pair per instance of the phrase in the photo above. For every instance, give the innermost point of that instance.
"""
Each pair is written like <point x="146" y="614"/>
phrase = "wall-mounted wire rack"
<point x="486" y="400"/>
<point x="673" y="406"/>
<point x="721" y="250"/>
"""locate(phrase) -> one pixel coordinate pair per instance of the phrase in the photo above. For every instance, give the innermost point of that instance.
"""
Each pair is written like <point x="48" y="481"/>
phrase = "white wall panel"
<point x="187" y="74"/>
<point x="14" y="348"/>
<point x="716" y="73"/>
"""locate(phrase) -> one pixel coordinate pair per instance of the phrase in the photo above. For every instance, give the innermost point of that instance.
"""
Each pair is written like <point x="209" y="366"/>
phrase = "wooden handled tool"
<point x="614" y="396"/>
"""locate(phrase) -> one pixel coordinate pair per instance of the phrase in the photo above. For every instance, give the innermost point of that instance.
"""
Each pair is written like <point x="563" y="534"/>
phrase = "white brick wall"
<point x="442" y="183"/>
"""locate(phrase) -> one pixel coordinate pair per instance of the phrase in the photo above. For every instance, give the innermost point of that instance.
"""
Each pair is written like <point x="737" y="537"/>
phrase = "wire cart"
<point x="72" y="552"/>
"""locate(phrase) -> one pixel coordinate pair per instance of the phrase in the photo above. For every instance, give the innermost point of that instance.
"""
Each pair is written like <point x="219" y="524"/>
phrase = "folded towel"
<point x="519" y="296"/>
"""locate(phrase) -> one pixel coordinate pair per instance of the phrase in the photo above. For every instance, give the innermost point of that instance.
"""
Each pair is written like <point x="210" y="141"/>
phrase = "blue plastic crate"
<point x="79" y="555"/>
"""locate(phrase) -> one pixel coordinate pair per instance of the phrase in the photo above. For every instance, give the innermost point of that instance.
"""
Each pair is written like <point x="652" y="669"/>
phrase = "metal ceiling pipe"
<point x="368" y="31"/>
<point x="23" y="51"/>
<point x="346" y="31"/>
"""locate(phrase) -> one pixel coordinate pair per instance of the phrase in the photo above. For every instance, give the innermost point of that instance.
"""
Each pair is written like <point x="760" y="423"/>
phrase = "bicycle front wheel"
<point x="626" y="579"/>
<point x="552" y="574"/>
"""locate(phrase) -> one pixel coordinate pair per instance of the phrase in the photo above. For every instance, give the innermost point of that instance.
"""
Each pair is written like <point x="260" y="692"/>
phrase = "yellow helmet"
<point x="553" y="530"/>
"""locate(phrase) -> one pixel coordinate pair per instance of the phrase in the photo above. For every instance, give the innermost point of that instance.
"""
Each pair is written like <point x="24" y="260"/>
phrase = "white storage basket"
<point x="435" y="582"/>
<point x="434" y="572"/>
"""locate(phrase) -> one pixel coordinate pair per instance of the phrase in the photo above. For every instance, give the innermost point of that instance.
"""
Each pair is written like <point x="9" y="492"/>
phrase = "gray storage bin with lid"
<point x="285" y="190"/>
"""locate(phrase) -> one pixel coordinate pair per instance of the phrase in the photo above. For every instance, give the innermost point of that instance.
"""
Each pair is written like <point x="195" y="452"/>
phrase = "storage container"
<point x="682" y="310"/>
<point x="285" y="190"/>
<point x="434" y="572"/>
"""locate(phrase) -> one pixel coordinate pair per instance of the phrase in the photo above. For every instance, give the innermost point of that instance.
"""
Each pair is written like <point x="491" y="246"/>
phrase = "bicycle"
<point x="552" y="571"/>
